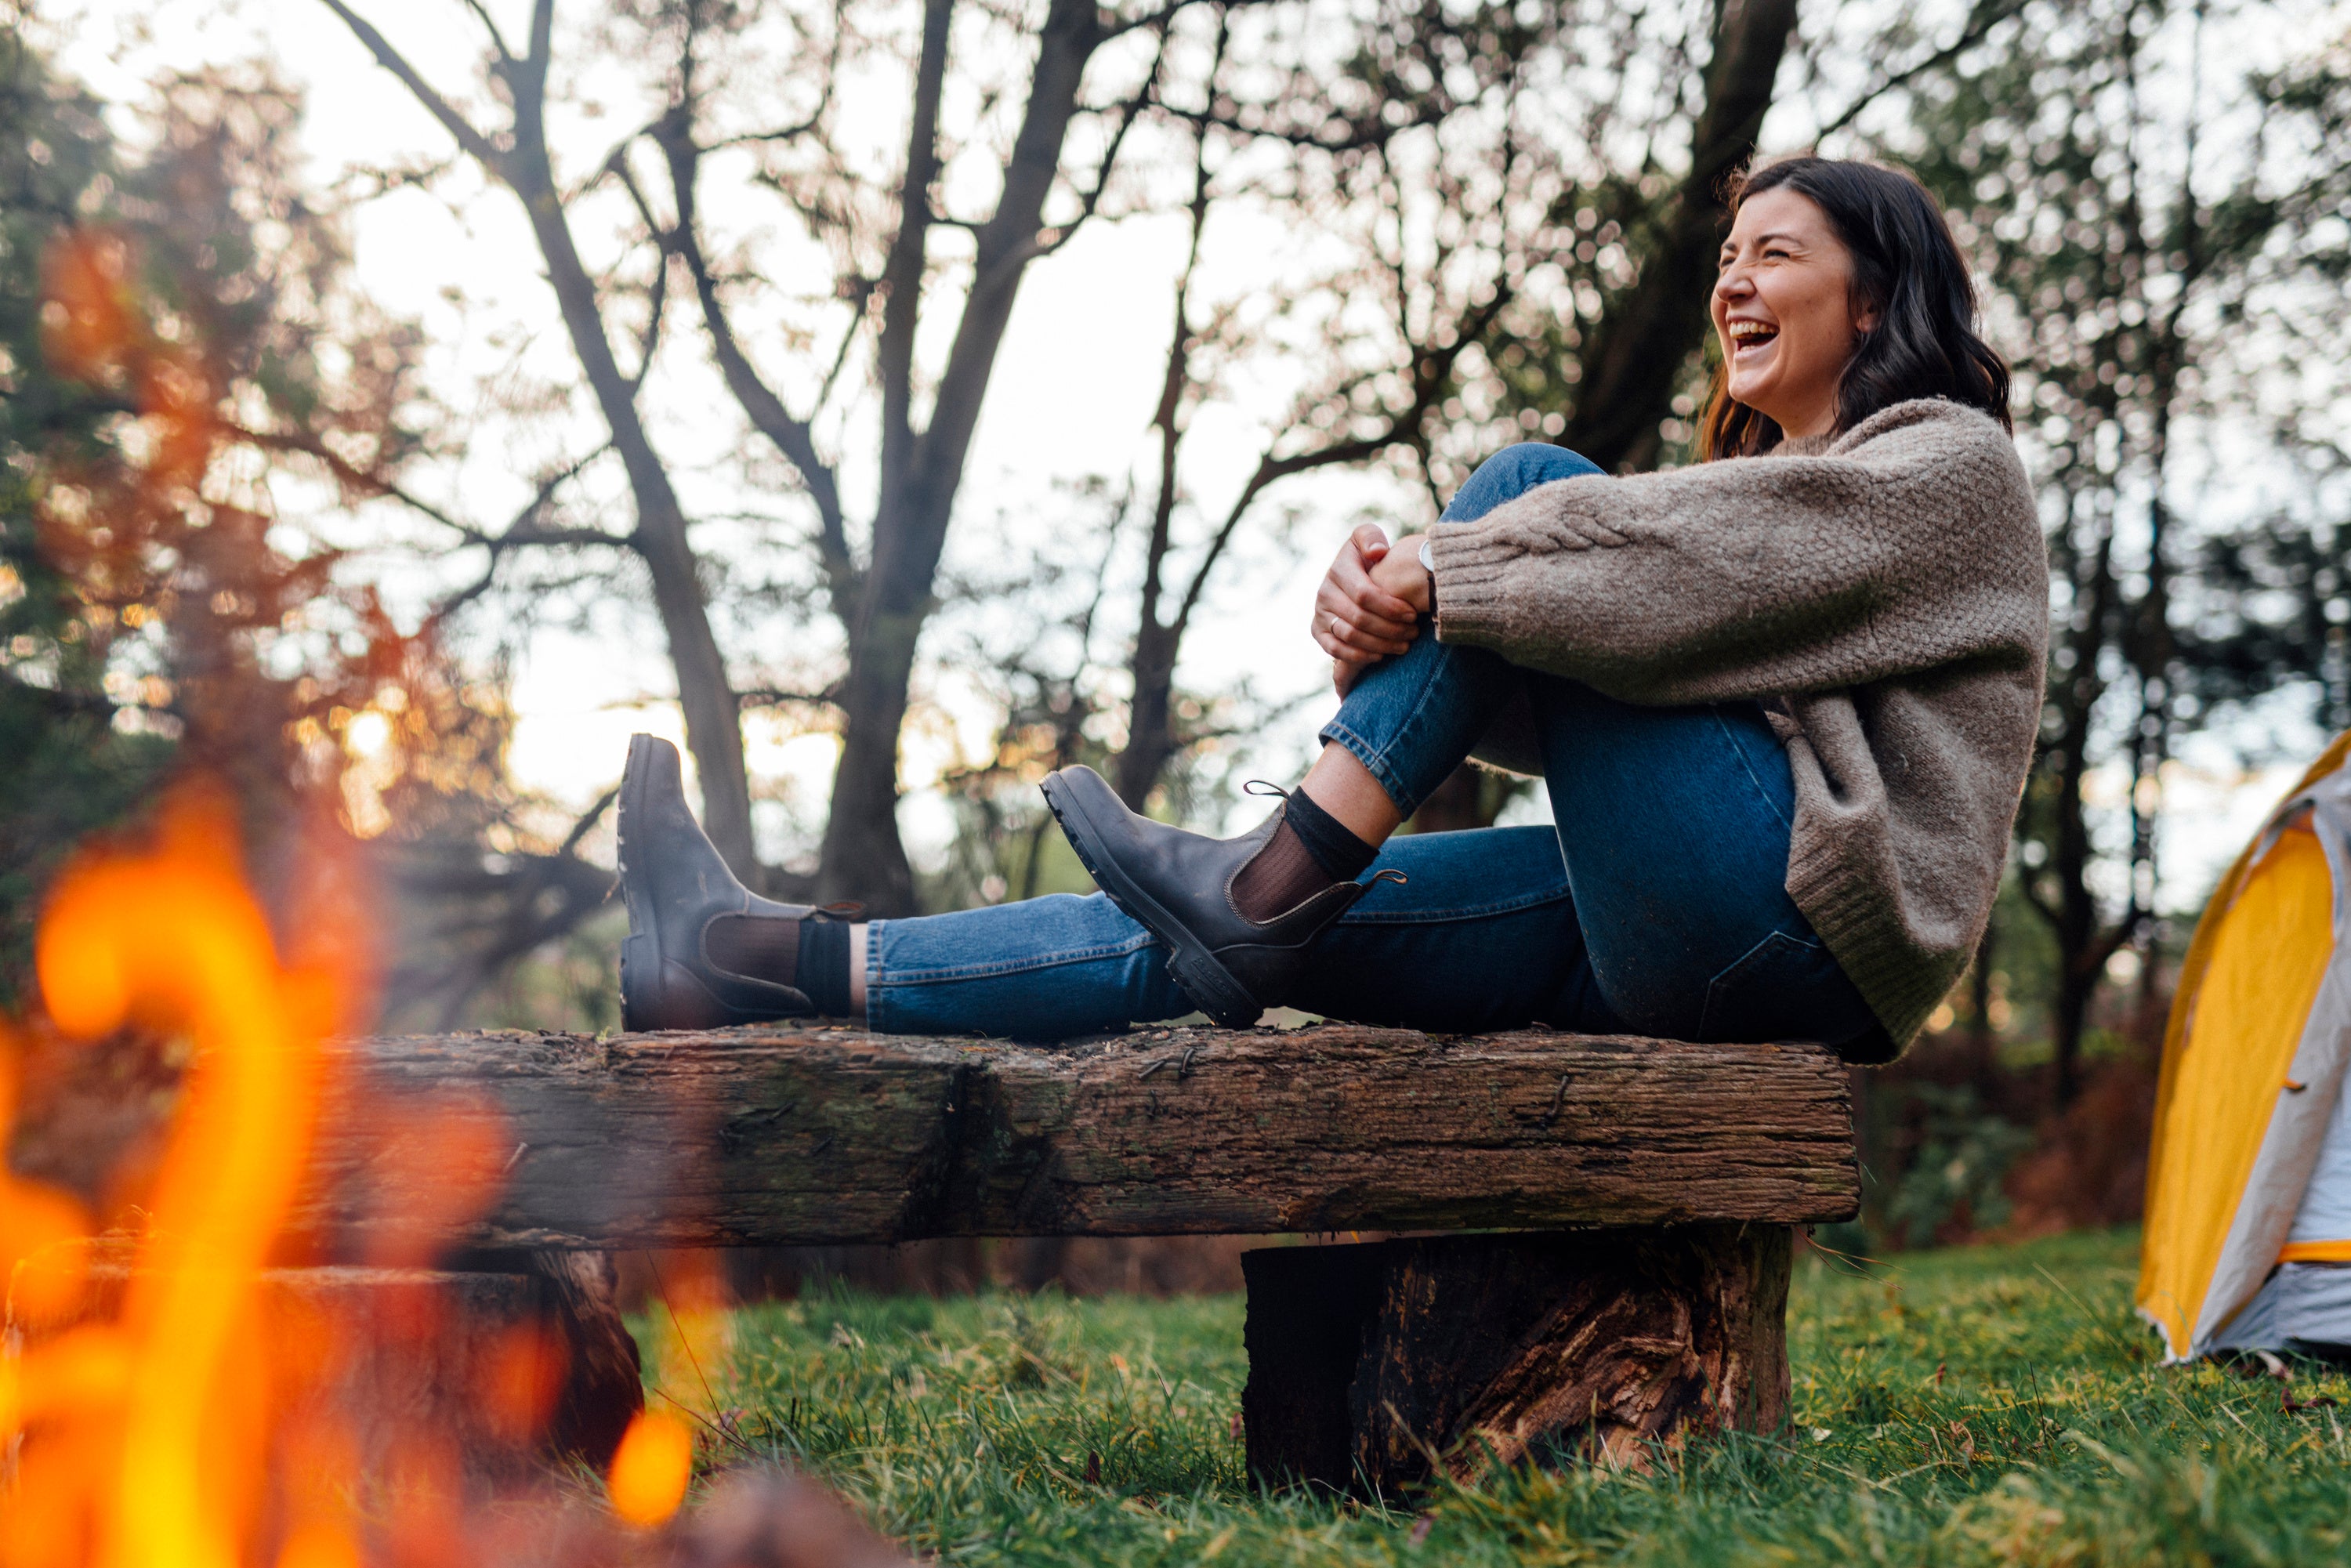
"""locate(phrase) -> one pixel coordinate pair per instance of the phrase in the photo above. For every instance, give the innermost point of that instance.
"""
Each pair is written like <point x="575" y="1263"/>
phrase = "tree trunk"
<point x="1150" y="739"/>
<point x="1637" y="350"/>
<point x="862" y="859"/>
<point x="1373" y="1365"/>
<point x="714" y="726"/>
<point x="2079" y="960"/>
<point x="1983" y="1041"/>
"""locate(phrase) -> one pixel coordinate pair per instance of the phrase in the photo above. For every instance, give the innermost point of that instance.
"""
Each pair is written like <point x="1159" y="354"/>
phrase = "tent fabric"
<point x="2304" y="1307"/>
<point x="2321" y="1232"/>
<point x="2253" y="1075"/>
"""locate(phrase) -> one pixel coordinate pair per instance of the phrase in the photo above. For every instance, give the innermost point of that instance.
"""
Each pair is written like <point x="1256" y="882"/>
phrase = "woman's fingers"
<point x="1356" y="622"/>
<point x="1347" y="645"/>
<point x="1342" y="624"/>
<point x="1350" y="578"/>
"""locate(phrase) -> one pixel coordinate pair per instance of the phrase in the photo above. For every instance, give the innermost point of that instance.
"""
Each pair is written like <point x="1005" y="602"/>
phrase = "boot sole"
<point x="1207" y="982"/>
<point x="641" y="955"/>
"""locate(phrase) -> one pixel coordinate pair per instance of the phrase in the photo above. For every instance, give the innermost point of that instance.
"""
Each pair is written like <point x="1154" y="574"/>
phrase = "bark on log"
<point x="1370" y="1364"/>
<point x="783" y="1136"/>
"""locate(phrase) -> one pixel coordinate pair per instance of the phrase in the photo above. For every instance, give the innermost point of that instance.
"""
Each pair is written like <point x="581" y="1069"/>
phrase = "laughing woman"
<point x="1783" y="701"/>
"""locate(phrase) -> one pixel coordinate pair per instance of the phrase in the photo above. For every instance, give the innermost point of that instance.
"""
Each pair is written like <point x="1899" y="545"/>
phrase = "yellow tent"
<point x="2249" y="1178"/>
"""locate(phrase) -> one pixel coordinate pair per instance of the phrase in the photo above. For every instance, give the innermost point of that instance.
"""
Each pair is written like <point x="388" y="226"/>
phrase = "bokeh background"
<point x="400" y="405"/>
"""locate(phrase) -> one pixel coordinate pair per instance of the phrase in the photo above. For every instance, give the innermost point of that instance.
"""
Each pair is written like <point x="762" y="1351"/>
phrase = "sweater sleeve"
<point x="1910" y="543"/>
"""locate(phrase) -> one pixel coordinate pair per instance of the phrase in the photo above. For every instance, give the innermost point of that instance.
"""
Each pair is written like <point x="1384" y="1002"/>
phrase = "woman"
<point x="1783" y="701"/>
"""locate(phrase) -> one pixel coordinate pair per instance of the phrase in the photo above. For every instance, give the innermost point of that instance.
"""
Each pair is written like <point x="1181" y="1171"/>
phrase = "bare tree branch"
<point x="792" y="436"/>
<point x="476" y="144"/>
<point x="1982" y="18"/>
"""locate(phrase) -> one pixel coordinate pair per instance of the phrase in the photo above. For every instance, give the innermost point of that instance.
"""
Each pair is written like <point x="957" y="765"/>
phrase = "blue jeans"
<point x="1656" y="907"/>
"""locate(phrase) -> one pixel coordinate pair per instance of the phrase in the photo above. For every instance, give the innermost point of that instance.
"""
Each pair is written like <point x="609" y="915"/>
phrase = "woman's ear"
<point x="1865" y="317"/>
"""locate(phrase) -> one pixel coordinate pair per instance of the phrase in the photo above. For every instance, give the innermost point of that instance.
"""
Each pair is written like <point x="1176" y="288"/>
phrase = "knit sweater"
<point x="1884" y="592"/>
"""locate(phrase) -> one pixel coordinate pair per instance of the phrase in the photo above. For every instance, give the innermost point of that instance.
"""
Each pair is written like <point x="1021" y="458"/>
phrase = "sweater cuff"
<point x="1473" y="592"/>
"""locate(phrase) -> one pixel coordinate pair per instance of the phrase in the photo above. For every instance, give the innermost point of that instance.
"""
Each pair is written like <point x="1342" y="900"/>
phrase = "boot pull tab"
<point x="1389" y="873"/>
<point x="1261" y="787"/>
<point x="847" y="909"/>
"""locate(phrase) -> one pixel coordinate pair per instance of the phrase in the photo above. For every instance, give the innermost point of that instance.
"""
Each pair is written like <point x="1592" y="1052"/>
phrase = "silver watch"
<point x="1428" y="565"/>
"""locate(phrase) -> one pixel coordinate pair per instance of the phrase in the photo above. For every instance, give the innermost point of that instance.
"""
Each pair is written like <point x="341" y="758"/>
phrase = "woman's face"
<point x="1783" y="308"/>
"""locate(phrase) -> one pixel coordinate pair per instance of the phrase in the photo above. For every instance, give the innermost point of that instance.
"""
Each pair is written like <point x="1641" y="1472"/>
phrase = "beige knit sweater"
<point x="1885" y="592"/>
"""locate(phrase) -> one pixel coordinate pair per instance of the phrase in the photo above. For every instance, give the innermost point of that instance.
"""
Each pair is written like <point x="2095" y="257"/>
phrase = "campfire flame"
<point x="187" y="1430"/>
<point x="169" y="1397"/>
<point x="154" y="1412"/>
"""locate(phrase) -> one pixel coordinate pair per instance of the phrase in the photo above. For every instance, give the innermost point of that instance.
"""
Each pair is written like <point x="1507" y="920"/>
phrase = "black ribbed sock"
<point x="824" y="966"/>
<point x="757" y="945"/>
<point x="1337" y="852"/>
<point x="810" y="955"/>
<point x="1309" y="851"/>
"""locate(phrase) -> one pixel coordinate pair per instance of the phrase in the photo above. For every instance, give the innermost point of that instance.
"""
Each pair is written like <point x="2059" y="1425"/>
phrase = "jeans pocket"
<point x="1769" y="993"/>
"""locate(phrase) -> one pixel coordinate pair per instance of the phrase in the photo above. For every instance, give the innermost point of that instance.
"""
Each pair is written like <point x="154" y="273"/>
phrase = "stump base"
<point x="486" y="1374"/>
<point x="1370" y="1364"/>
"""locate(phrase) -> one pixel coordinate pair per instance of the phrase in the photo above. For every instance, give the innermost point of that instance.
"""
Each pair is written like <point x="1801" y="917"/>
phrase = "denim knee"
<point x="1541" y="462"/>
<point x="1512" y="473"/>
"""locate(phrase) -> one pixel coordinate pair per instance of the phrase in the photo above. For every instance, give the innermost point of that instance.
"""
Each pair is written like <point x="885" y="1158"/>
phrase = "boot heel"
<point x="658" y="995"/>
<point x="1208" y="983"/>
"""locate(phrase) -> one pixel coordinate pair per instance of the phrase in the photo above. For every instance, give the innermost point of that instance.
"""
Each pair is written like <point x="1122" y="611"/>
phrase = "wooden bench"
<point x="1631" y="1201"/>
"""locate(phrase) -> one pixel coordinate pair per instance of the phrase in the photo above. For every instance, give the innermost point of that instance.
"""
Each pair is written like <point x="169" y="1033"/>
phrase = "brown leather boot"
<point x="1179" y="886"/>
<point x="677" y="888"/>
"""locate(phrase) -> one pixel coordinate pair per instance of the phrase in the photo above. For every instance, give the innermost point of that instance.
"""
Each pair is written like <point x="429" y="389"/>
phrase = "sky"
<point x="1073" y="395"/>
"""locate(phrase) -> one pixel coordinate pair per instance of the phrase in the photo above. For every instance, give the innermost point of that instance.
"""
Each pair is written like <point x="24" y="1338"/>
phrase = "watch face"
<point x="1426" y="560"/>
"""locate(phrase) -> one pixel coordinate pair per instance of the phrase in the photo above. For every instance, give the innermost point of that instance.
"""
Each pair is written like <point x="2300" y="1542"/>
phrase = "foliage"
<point x="193" y="383"/>
<point x="1990" y="1406"/>
<point x="2161" y="244"/>
<point x="161" y="326"/>
<point x="1953" y="1176"/>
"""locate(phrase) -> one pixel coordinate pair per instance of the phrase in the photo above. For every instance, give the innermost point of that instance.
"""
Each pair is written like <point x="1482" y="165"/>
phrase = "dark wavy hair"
<point x="1907" y="267"/>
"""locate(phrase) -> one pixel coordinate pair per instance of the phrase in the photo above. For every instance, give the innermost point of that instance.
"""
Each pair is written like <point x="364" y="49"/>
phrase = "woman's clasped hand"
<point x="1370" y="603"/>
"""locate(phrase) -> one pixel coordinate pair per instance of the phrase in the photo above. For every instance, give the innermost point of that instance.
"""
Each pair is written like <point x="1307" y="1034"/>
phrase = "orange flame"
<point x="170" y="940"/>
<point x="197" y="1424"/>
<point x="650" y="1469"/>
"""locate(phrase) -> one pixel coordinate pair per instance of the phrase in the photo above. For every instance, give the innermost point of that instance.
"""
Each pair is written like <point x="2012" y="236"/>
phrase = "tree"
<point x="2123" y="252"/>
<point x="903" y="263"/>
<point x="172" y="327"/>
<point x="1467" y="156"/>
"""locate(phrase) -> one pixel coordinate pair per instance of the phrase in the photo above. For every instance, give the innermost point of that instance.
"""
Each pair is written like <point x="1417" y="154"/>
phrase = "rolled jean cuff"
<point x="1376" y="764"/>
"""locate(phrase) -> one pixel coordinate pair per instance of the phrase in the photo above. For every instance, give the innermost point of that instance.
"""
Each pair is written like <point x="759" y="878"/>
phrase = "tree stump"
<point x="499" y="1371"/>
<point x="485" y="1374"/>
<point x="1372" y="1365"/>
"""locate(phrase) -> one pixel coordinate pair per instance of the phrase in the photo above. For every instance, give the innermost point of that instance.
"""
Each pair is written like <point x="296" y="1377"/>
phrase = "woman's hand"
<point x="1370" y="602"/>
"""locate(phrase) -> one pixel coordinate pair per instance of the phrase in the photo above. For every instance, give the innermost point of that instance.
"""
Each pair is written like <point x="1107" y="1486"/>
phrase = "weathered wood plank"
<point x="778" y="1135"/>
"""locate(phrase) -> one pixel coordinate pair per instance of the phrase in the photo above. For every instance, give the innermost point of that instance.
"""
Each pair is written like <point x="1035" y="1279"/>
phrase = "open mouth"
<point x="1749" y="337"/>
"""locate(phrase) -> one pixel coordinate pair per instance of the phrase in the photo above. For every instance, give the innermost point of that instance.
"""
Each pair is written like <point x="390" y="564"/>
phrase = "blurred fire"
<point x="205" y="1421"/>
<point x="173" y="1393"/>
<point x="148" y="1429"/>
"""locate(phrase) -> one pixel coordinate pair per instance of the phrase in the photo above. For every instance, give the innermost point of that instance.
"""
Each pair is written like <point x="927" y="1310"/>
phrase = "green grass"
<point x="1987" y="1404"/>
